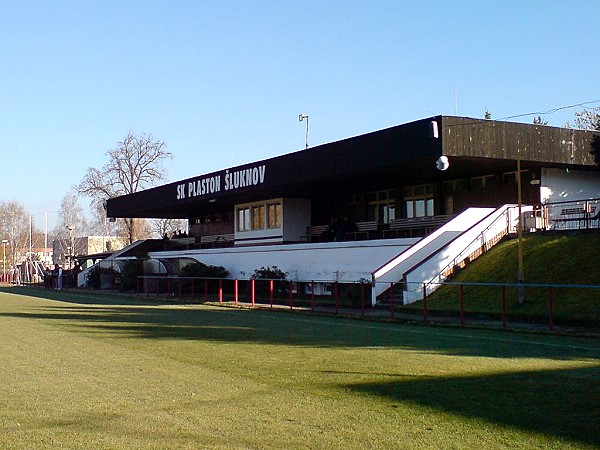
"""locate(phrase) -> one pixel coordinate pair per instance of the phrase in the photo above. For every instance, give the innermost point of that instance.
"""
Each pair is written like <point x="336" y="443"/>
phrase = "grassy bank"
<point x="572" y="259"/>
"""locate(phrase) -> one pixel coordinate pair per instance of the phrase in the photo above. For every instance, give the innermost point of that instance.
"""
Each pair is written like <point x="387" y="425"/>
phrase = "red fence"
<point x="261" y="292"/>
<point x="460" y="306"/>
<point x="500" y="305"/>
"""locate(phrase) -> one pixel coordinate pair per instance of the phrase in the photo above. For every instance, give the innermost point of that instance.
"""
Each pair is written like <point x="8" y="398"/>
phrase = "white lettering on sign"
<point x="236" y="179"/>
<point x="180" y="191"/>
<point x="204" y="186"/>
<point x="243" y="178"/>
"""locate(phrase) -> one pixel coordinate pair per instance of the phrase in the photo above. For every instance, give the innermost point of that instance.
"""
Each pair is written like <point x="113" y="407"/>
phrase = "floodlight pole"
<point x="4" y="242"/>
<point x="301" y="117"/>
<point x="71" y="249"/>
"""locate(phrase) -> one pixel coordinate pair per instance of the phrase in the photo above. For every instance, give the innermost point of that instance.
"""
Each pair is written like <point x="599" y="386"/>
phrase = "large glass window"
<point x="243" y="219"/>
<point x="259" y="216"/>
<point x="382" y="206"/>
<point x="487" y="181"/>
<point x="418" y="200"/>
<point x="274" y="215"/>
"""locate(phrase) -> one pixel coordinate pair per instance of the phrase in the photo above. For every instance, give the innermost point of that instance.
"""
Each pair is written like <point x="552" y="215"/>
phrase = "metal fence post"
<point x="391" y="300"/>
<point x="504" y="306"/>
<point x="550" y="309"/>
<point x="362" y="298"/>
<point x="235" y="291"/>
<point x="424" y="303"/>
<point x="462" y="304"/>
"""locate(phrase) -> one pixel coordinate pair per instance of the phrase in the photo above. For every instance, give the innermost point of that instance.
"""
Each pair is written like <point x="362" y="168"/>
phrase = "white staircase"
<point x="430" y="260"/>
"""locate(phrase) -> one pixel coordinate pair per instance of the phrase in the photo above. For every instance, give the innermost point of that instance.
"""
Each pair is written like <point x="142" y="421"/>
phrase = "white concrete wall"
<point x="558" y="185"/>
<point x="296" y="217"/>
<point x="328" y="261"/>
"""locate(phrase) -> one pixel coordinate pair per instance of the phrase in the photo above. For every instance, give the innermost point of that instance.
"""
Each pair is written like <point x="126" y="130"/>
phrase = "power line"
<point x="552" y="111"/>
<point x="538" y="113"/>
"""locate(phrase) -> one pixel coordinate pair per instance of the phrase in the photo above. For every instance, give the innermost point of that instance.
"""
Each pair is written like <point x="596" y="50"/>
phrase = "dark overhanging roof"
<point x="401" y="153"/>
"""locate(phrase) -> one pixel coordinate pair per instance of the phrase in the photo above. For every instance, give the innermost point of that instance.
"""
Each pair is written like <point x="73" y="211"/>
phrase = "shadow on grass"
<point x="83" y="297"/>
<point x="557" y="403"/>
<point x="129" y="317"/>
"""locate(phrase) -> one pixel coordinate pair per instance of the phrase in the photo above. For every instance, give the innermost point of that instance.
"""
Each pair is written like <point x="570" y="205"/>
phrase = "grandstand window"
<point x="259" y="216"/>
<point x="418" y="201"/>
<point x="382" y="206"/>
<point x="487" y="181"/>
<point x="274" y="215"/>
<point x="243" y="219"/>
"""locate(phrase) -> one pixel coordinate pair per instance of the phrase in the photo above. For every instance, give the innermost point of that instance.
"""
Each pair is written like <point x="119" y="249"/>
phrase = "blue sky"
<point x="223" y="82"/>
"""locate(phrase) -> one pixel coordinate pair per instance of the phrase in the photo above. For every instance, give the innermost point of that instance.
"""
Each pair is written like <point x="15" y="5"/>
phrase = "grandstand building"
<point x="396" y="188"/>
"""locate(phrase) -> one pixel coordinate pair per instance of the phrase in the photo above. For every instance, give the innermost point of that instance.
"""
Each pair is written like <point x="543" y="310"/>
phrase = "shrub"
<point x="271" y="273"/>
<point x="201" y="270"/>
<point x="94" y="278"/>
<point x="131" y="271"/>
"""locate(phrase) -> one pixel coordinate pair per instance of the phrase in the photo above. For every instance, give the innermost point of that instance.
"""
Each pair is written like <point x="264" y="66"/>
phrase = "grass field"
<point x="95" y="371"/>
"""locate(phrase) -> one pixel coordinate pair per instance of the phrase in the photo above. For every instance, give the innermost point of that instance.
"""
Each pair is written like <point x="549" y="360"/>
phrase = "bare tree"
<point x="587" y="119"/>
<point x="71" y="215"/>
<point x="162" y="227"/>
<point x="14" y="228"/>
<point x="71" y="223"/>
<point x="134" y="165"/>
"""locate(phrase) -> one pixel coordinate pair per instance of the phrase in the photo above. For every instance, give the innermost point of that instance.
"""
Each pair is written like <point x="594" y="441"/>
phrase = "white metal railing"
<point x="471" y="242"/>
<point x="395" y="269"/>
<point x="490" y="236"/>
<point x="570" y="215"/>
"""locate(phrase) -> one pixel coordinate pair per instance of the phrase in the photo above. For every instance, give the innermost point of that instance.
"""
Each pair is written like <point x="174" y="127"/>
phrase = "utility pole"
<point x="520" y="274"/>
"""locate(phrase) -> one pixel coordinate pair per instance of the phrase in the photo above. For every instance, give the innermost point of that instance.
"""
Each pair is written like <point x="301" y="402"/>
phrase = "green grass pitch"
<point x="95" y="371"/>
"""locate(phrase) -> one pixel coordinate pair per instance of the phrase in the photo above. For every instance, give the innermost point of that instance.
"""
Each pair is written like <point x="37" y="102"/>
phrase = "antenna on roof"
<point x="301" y="117"/>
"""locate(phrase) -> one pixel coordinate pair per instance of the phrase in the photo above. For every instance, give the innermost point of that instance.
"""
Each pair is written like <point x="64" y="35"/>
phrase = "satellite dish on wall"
<point x="442" y="163"/>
